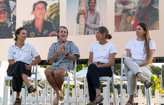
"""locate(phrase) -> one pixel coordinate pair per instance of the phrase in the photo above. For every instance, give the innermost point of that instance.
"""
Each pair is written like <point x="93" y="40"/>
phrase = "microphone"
<point x="63" y="40"/>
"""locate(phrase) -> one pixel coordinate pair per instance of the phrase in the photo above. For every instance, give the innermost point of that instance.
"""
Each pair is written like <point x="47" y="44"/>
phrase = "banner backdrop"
<point x="119" y="16"/>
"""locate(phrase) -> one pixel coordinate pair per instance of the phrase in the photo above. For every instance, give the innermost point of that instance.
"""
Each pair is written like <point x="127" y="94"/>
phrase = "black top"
<point x="32" y="31"/>
<point x="5" y="31"/>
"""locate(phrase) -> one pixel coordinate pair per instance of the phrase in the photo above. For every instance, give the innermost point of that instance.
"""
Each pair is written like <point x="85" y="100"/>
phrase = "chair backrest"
<point x="34" y="71"/>
<point x="122" y="78"/>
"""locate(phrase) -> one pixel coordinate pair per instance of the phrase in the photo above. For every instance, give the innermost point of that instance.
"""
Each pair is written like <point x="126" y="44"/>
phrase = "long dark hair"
<point x="102" y="30"/>
<point x="147" y="38"/>
<point x="17" y="32"/>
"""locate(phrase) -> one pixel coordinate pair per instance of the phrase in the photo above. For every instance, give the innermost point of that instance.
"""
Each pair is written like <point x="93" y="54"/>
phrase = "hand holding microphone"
<point x="63" y="43"/>
<point x="63" y="40"/>
<point x="61" y="49"/>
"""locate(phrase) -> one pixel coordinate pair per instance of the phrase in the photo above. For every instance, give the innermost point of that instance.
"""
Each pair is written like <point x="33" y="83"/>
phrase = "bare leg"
<point x="131" y="99"/>
<point x="25" y="79"/>
<point x="59" y="75"/>
<point x="50" y="78"/>
<point x="18" y="99"/>
<point x="18" y="95"/>
<point x="98" y="91"/>
<point x="99" y="97"/>
<point x="56" y="80"/>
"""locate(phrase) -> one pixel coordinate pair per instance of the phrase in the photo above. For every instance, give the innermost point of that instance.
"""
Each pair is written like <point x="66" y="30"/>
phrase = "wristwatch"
<point x="67" y="54"/>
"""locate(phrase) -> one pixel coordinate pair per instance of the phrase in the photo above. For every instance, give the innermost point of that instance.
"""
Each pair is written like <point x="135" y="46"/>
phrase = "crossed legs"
<point x="56" y="80"/>
<point x="133" y="71"/>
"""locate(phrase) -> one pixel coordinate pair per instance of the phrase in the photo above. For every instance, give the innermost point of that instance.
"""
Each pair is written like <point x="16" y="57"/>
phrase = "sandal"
<point x="62" y="95"/>
<point x="56" y="101"/>
<point x="17" y="101"/>
<point x="130" y="102"/>
<point x="91" y="104"/>
<point x="31" y="89"/>
<point x="99" y="98"/>
<point x="148" y="84"/>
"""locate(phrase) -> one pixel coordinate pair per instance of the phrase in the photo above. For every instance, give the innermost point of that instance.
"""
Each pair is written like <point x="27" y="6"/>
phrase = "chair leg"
<point x="68" y="84"/>
<point x="6" y="96"/>
<point x="148" y="102"/>
<point x="45" y="92"/>
<point x="51" y="96"/>
<point x="108" y="91"/>
<point x="25" y="95"/>
<point x="85" y="83"/>
<point x="114" y="96"/>
<point x="121" y="101"/>
<point x="37" y="94"/>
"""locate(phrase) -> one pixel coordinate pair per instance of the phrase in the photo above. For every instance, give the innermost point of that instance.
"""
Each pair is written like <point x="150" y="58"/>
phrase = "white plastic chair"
<point x="33" y="77"/>
<point x="68" y="78"/>
<point x="124" y="78"/>
<point x="104" y="79"/>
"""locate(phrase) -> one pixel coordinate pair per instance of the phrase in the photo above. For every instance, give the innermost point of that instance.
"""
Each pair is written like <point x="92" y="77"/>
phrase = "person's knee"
<point x="48" y="72"/>
<point x="126" y="60"/>
<point x="92" y="67"/>
<point x="130" y="74"/>
<point x="59" y="73"/>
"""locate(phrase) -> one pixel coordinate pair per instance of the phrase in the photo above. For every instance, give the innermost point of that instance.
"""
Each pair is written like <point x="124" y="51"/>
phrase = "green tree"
<point x="53" y="14"/>
<point x="155" y="70"/>
<point x="156" y="85"/>
<point x="117" y="69"/>
<point x="162" y="74"/>
<point x="81" y="66"/>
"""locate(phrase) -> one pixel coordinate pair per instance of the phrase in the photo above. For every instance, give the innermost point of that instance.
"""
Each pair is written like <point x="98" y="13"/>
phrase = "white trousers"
<point x="131" y="69"/>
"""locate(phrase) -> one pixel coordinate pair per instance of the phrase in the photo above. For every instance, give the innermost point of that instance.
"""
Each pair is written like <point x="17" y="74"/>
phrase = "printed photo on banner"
<point x="128" y="13"/>
<point x="46" y="17"/>
<point x="85" y="16"/>
<point x="7" y="18"/>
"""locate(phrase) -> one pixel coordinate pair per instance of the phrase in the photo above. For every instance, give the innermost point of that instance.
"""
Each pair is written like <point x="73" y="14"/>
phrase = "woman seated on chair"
<point x="61" y="55"/>
<point x="101" y="58"/>
<point x="139" y="55"/>
<point x="20" y="56"/>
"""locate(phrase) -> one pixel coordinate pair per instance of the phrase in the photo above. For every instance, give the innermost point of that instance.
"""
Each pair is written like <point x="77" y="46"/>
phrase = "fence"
<point x="46" y="97"/>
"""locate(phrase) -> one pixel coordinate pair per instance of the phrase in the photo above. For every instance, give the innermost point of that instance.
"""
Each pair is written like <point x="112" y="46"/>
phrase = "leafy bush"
<point x="156" y="85"/>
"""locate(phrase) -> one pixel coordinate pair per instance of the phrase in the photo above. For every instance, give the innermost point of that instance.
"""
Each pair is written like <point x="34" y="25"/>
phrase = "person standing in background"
<point x="91" y="17"/>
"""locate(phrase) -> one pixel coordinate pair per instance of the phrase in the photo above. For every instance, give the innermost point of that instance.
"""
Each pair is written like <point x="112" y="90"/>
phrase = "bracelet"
<point x="67" y="54"/>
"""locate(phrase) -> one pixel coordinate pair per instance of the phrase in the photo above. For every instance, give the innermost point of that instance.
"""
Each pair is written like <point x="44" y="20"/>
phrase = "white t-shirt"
<point x="24" y="54"/>
<point x="101" y="53"/>
<point x="137" y="48"/>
